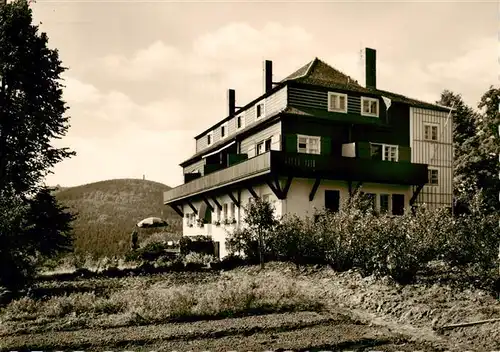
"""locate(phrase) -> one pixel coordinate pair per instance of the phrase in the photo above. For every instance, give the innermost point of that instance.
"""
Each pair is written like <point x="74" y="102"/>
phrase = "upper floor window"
<point x="210" y="138"/>
<point x="223" y="130"/>
<point x="264" y="146"/>
<point x="259" y="110"/>
<point x="430" y="132"/>
<point x="433" y="176"/>
<point x="308" y="144"/>
<point x="369" y="106"/>
<point x="384" y="152"/>
<point x="337" y="102"/>
<point x="240" y="121"/>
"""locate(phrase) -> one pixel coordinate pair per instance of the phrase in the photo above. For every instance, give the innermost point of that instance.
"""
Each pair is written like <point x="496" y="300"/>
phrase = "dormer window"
<point x="210" y="138"/>
<point x="223" y="130"/>
<point x="369" y="107"/>
<point x="259" y="110"/>
<point x="337" y="102"/>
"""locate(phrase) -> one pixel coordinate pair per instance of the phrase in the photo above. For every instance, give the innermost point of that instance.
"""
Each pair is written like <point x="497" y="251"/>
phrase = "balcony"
<point x="257" y="166"/>
<point x="307" y="166"/>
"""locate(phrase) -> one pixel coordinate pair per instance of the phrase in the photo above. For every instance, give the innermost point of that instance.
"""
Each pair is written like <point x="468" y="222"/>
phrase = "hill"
<point x="108" y="210"/>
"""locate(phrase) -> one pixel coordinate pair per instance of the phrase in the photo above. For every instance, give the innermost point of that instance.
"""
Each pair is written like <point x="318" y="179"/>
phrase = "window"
<point x="433" y="176"/>
<point x="308" y="144"/>
<point x="225" y="208"/>
<point x="267" y="145"/>
<point x="210" y="138"/>
<point x="332" y="200"/>
<point x="384" y="203"/>
<point x="398" y="204"/>
<point x="260" y="148"/>
<point x="240" y="122"/>
<point x="264" y="146"/>
<point x="384" y="152"/>
<point x="337" y="102"/>
<point x="369" y="106"/>
<point x="233" y="210"/>
<point x="218" y="214"/>
<point x="223" y="130"/>
<point x="430" y="132"/>
<point x="259" y="110"/>
<point x="191" y="219"/>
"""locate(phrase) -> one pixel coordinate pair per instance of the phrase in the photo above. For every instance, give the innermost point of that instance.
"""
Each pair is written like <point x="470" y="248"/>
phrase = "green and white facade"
<point x="307" y="143"/>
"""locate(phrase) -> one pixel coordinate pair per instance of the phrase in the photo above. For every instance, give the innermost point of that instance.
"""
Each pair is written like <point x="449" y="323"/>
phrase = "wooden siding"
<point x="272" y="104"/>
<point x="273" y="131"/>
<point x="249" y="168"/>
<point x="437" y="154"/>
<point x="198" y="165"/>
<point x="318" y="99"/>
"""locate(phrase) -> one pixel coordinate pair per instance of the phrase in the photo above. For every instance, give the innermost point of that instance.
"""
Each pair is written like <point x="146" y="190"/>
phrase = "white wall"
<point x="298" y="202"/>
<point x="220" y="233"/>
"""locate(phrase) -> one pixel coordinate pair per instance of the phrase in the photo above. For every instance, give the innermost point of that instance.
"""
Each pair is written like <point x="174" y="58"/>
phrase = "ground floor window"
<point x="332" y="200"/>
<point x="398" y="204"/>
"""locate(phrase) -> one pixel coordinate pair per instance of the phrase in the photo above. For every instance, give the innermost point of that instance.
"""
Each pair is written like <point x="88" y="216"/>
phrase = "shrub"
<point x="198" y="244"/>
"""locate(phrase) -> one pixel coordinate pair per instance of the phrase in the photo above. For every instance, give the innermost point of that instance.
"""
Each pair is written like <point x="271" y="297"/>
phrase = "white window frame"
<point x="430" y="168"/>
<point x="363" y="99"/>
<point x="308" y="138"/>
<point x="211" y="134"/>
<point x="332" y="109"/>
<point x="242" y="116"/>
<point x="225" y="130"/>
<point x="262" y="110"/>
<point x="428" y="124"/>
<point x="389" y="203"/>
<point x="383" y="150"/>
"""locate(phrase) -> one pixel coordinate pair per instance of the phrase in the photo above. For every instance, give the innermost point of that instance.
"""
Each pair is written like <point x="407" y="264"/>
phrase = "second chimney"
<point x="370" y="68"/>
<point x="268" y="76"/>
<point x="231" y="102"/>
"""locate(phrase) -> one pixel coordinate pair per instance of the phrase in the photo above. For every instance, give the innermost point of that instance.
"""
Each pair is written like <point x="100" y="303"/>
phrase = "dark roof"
<point x="318" y="70"/>
<point x="319" y="73"/>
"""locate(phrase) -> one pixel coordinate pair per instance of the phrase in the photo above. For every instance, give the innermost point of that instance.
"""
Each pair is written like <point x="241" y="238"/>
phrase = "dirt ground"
<point x="290" y="331"/>
<point x="361" y="314"/>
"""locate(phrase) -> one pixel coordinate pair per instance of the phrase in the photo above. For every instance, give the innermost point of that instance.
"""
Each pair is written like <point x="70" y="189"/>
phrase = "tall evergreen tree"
<point x="464" y="144"/>
<point x="32" y="115"/>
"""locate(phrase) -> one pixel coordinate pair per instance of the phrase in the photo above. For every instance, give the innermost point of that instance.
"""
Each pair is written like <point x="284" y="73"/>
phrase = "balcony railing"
<point x="305" y="165"/>
<point x="348" y="169"/>
<point x="258" y="165"/>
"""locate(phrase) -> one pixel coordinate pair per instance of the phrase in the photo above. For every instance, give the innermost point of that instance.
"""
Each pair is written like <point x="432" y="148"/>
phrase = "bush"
<point x="198" y="244"/>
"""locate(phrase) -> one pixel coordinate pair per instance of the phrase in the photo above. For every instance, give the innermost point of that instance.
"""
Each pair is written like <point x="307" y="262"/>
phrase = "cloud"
<point x="114" y="137"/>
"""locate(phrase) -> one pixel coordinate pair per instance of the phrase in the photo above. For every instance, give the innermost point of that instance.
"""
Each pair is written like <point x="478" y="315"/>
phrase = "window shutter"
<point x="326" y="145"/>
<point x="291" y="143"/>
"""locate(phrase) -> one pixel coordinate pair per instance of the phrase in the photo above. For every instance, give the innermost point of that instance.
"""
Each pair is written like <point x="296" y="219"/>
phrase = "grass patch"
<point x="230" y="295"/>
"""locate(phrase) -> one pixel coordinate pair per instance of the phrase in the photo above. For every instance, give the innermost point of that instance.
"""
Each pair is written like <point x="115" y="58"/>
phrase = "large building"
<point x="308" y="142"/>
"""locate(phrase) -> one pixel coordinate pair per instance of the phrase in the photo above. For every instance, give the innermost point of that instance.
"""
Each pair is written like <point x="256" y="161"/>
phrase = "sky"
<point x="145" y="77"/>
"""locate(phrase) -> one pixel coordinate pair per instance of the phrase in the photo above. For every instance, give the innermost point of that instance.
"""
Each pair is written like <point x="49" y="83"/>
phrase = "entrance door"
<point x="332" y="200"/>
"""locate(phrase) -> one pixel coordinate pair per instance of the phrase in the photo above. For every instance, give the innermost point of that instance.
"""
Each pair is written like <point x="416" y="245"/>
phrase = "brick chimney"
<point x="231" y="102"/>
<point x="268" y="75"/>
<point x="370" y="68"/>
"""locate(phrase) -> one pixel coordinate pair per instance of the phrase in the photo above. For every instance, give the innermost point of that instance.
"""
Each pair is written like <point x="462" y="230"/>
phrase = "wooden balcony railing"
<point x="305" y="165"/>
<point x="258" y="165"/>
<point x="345" y="168"/>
